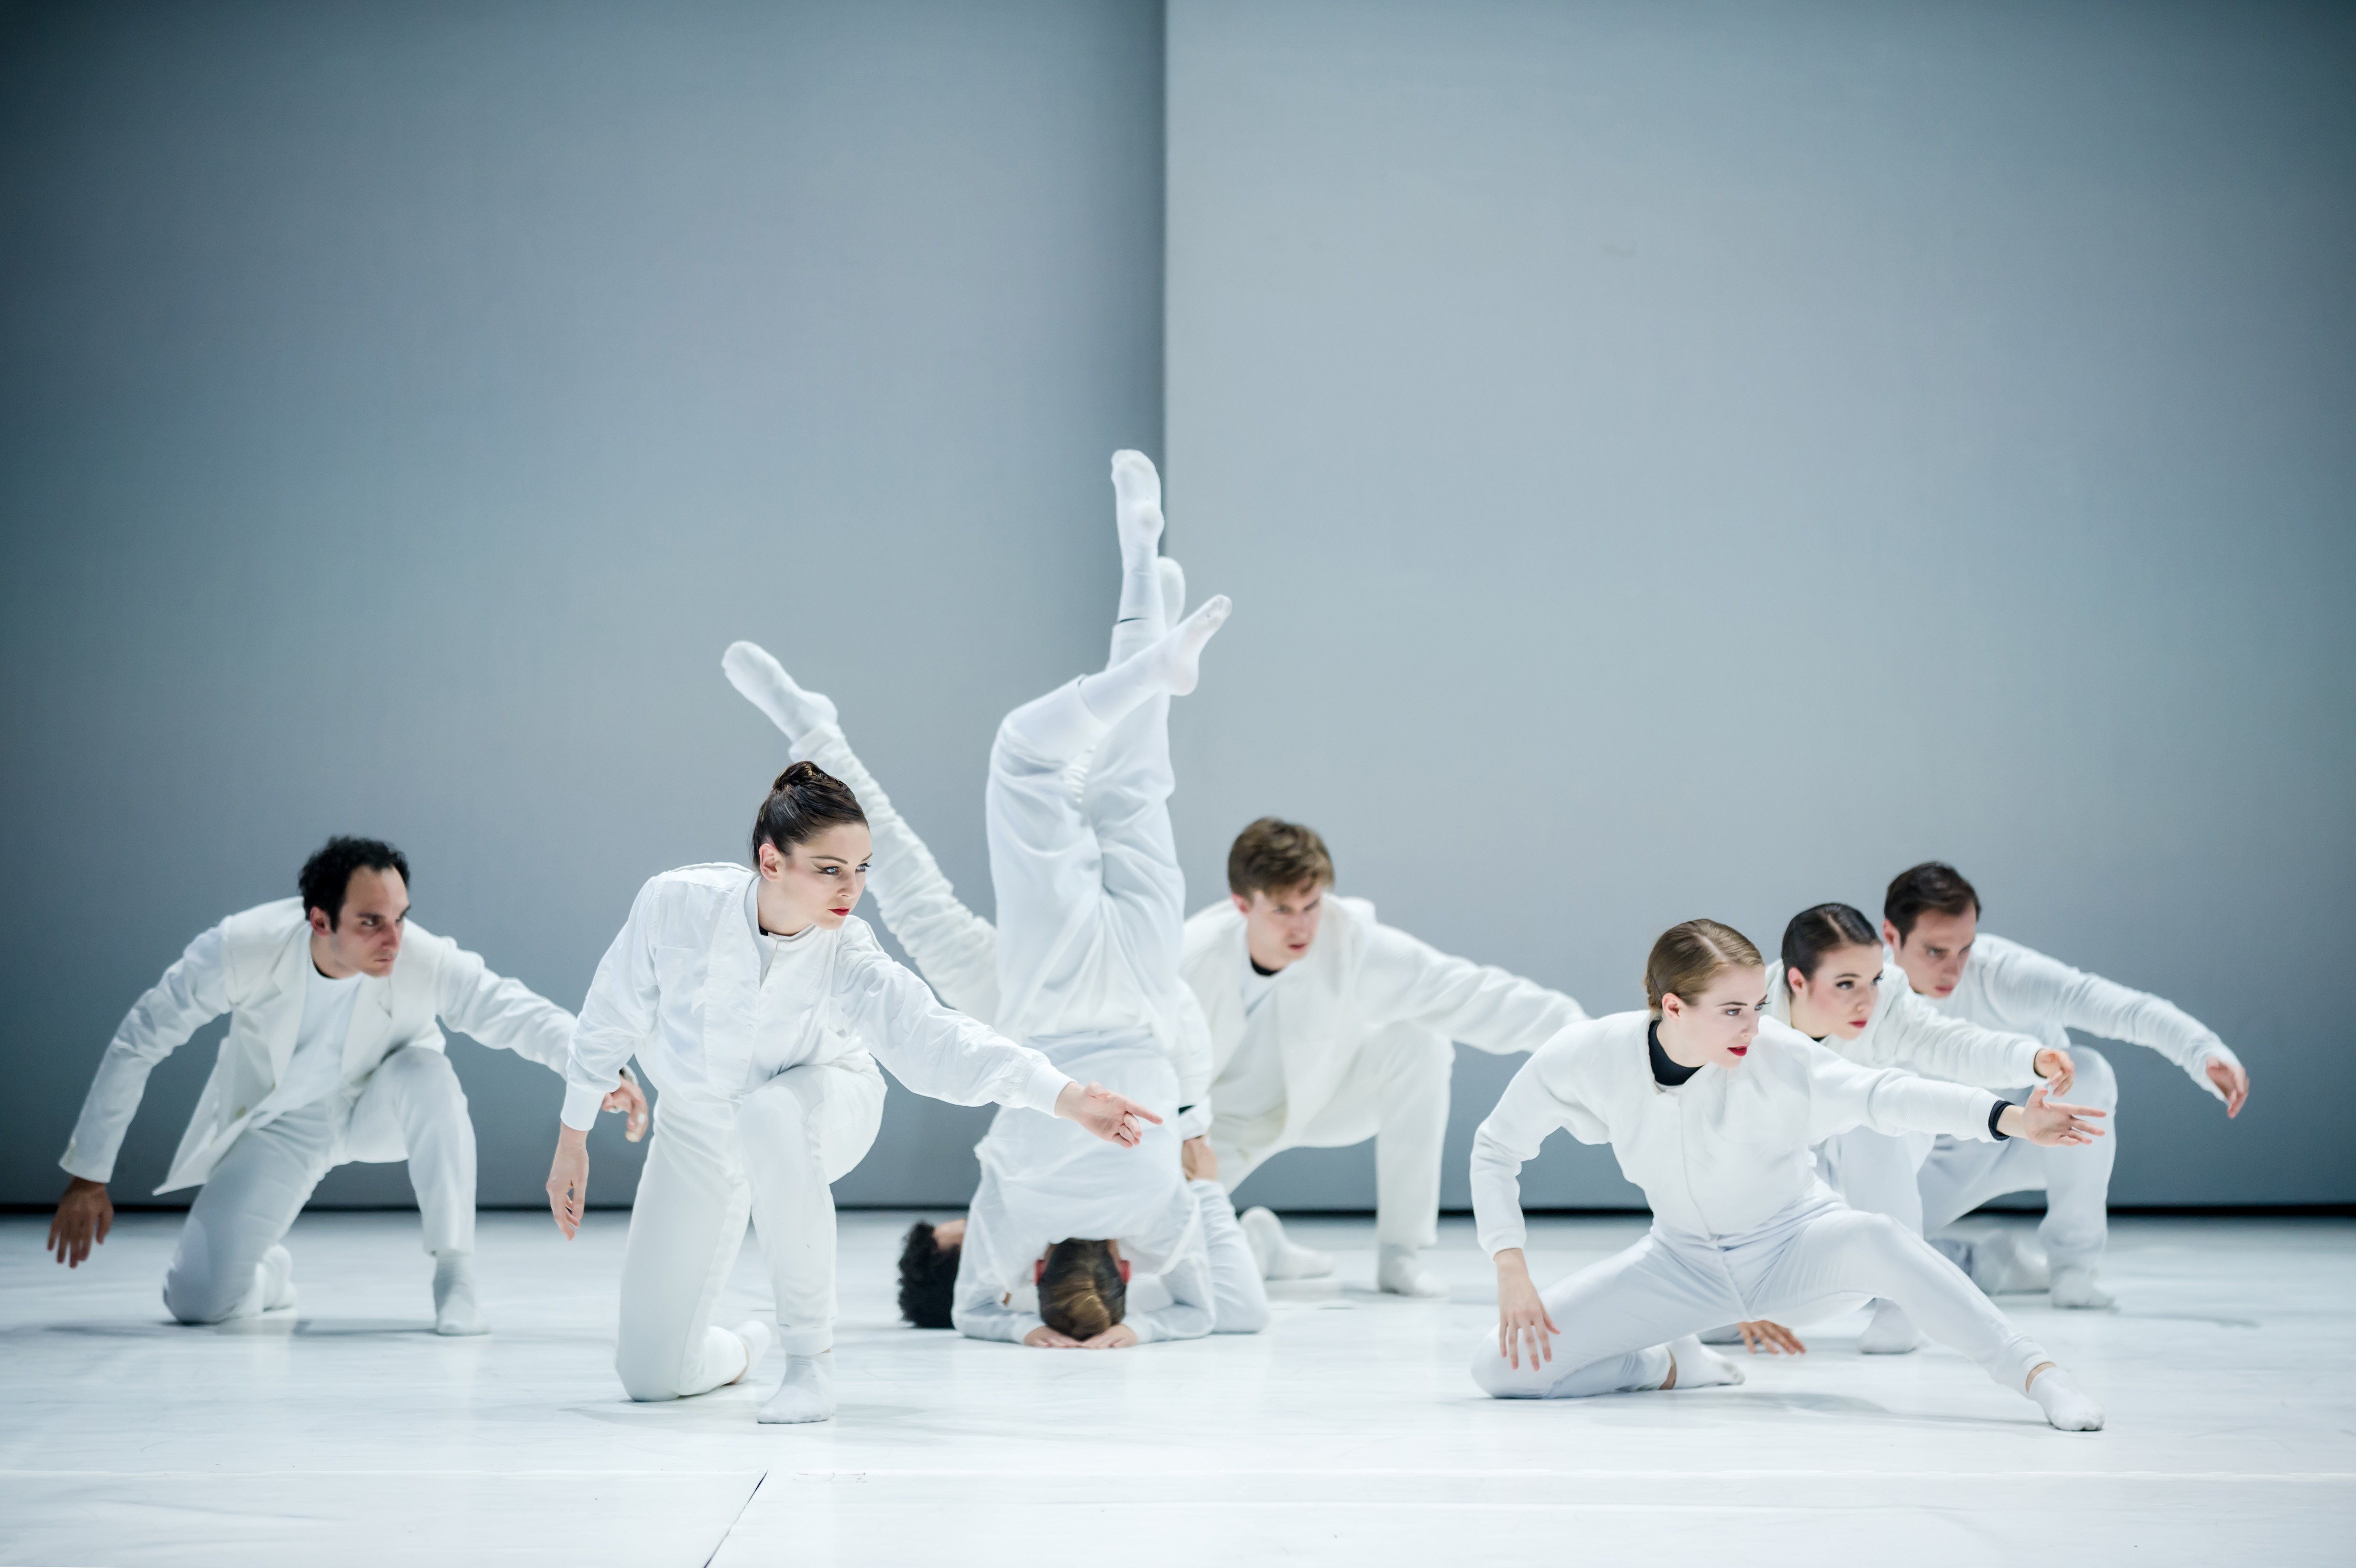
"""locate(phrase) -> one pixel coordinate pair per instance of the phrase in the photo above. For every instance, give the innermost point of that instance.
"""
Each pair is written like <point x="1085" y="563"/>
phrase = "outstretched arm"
<point x="192" y="993"/>
<point x="2025" y="983"/>
<point x="616" y="1020"/>
<point x="1478" y="1004"/>
<point x="1917" y="1036"/>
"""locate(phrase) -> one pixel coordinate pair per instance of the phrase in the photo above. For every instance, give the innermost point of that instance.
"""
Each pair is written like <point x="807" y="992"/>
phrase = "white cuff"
<point x="1194" y="1122"/>
<point x="581" y="1103"/>
<point x="1044" y="1086"/>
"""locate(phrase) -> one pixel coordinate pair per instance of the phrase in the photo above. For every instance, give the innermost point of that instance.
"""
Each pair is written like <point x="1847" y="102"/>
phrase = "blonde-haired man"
<point x="1329" y="1028"/>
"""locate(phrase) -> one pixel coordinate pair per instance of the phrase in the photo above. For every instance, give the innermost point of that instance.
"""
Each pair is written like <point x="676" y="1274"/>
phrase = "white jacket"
<point x="1044" y="1181"/>
<point x="2007" y="986"/>
<point x="1358" y="977"/>
<point x="251" y="966"/>
<point x="681" y="986"/>
<point x="1907" y="1032"/>
<point x="1717" y="1156"/>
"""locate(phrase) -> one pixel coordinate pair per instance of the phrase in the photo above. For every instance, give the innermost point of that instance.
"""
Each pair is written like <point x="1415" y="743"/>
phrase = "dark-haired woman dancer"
<point x="753" y="999"/>
<point x="1712" y="1109"/>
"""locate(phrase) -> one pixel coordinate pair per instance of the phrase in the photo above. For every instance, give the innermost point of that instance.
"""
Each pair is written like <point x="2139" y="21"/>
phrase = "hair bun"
<point x="801" y="774"/>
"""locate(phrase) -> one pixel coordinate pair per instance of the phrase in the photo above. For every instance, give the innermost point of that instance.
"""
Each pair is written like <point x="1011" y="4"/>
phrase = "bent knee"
<point x="2097" y="1085"/>
<point x="1500" y="1380"/>
<point x="1244" y="1320"/>
<point x="420" y="1068"/>
<point x="648" y="1378"/>
<point x="204" y="1302"/>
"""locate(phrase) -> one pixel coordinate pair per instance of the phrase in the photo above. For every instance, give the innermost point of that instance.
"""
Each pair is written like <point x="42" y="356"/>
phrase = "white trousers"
<point x="410" y="1108"/>
<point x="1877" y="1173"/>
<point x="1239" y="1294"/>
<point x="1962" y="1174"/>
<point x="1817" y="1258"/>
<point x="713" y="1161"/>
<point x="1395" y="1090"/>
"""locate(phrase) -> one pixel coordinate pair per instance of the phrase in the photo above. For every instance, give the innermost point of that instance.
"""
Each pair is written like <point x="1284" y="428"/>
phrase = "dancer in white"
<point x="1712" y="1109"/>
<point x="1931" y="924"/>
<point x="753" y="999"/>
<point x="1329" y="1028"/>
<point x="1835" y="985"/>
<point x="332" y="1054"/>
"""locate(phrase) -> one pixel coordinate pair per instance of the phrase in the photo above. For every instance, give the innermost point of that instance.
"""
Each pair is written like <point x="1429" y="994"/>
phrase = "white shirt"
<point x="2007" y="986"/>
<point x="316" y="1069"/>
<point x="682" y="989"/>
<point x="1719" y="1155"/>
<point x="1251" y="1087"/>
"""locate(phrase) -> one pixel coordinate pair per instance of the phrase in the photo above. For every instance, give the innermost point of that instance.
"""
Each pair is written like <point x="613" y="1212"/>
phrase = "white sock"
<point x="2074" y="1287"/>
<point x="1399" y="1272"/>
<point x="808" y="1392"/>
<point x="454" y="1311"/>
<point x="1277" y="1256"/>
<point x="1137" y="511"/>
<point x="1169" y="665"/>
<point x="758" y="1338"/>
<point x="1698" y="1368"/>
<point x="2067" y="1406"/>
<point x="1891" y="1332"/>
<point x="275" y="1276"/>
<point x="765" y="685"/>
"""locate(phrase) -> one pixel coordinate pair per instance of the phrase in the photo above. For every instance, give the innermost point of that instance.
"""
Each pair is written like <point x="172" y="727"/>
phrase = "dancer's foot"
<point x="1277" y="1256"/>
<point x="808" y="1392"/>
<point x="1693" y="1366"/>
<point x="2074" y="1287"/>
<point x="454" y="1311"/>
<point x="1891" y="1332"/>
<point x="276" y="1270"/>
<point x="765" y="685"/>
<point x="757" y="1336"/>
<point x="1137" y="504"/>
<point x="1167" y="666"/>
<point x="2066" y="1406"/>
<point x="1399" y="1272"/>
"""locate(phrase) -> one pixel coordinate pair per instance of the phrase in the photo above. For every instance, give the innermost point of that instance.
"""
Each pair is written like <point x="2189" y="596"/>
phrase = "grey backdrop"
<point x="1701" y="459"/>
<point x="1667" y="461"/>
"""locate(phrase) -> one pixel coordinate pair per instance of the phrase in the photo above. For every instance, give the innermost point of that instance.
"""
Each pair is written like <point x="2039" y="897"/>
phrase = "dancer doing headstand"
<point x="1712" y="1109"/>
<point x="753" y="999"/>
<point x="1931" y="924"/>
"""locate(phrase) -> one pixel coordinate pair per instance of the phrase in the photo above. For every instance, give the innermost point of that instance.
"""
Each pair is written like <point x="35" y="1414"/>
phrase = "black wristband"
<point x="1995" y="1113"/>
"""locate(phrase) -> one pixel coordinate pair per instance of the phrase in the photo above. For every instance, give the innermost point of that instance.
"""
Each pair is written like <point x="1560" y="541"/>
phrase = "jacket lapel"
<point x="371" y="1023"/>
<point x="281" y="1007"/>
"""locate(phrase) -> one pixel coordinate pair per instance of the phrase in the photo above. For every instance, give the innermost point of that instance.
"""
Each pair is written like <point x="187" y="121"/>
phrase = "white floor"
<point x="343" y="1431"/>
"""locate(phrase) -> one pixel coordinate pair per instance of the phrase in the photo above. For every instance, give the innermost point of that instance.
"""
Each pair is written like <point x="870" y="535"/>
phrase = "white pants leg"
<point x="1961" y="1174"/>
<point x="1238" y="1295"/>
<point x="1395" y="1090"/>
<point x="414" y="1109"/>
<point x="244" y="1209"/>
<point x="1876" y="1172"/>
<point x="712" y="1164"/>
<point x="1818" y="1257"/>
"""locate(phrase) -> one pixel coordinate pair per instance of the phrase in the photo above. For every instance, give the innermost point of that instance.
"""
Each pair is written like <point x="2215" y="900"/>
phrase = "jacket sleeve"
<point x="1918" y="1036"/>
<point x="2027" y="983"/>
<point x="1541" y="1098"/>
<point x="1479" y="1004"/>
<point x="1842" y="1095"/>
<point x="1190" y="1054"/>
<point x="502" y="1013"/>
<point x="617" y="1018"/>
<point x="193" y="992"/>
<point x="953" y="948"/>
<point x="933" y="1050"/>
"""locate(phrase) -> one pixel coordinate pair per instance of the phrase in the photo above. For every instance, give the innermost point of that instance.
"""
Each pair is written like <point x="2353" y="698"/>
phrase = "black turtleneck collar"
<point x="1666" y="1074"/>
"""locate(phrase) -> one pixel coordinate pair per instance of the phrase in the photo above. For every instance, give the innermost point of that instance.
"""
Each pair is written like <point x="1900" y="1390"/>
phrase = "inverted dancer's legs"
<point x="954" y="949"/>
<point x="1239" y="1295"/>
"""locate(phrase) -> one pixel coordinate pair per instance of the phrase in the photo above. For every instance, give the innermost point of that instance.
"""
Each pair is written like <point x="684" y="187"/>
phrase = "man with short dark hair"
<point x="1329" y="1028"/>
<point x="1931" y="925"/>
<point x="333" y="1055"/>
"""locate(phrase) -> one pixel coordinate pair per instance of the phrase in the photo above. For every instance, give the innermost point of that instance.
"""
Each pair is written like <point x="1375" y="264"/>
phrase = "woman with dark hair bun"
<point x="757" y="1004"/>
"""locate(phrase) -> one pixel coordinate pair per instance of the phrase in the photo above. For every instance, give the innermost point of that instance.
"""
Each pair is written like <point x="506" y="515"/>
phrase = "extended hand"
<point x="2058" y="1071"/>
<point x="2051" y="1122"/>
<point x="2231" y="1082"/>
<point x="1110" y="1117"/>
<point x="1120" y="1337"/>
<point x="1197" y="1160"/>
<point x="1759" y="1334"/>
<point x="1523" y="1321"/>
<point x="1045" y="1338"/>
<point x="85" y="1214"/>
<point x="568" y="1180"/>
<point x="628" y="1096"/>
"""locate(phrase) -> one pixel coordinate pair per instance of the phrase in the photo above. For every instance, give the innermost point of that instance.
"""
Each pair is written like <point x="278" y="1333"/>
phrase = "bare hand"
<point x="2231" y="1082"/>
<point x="1112" y="1117"/>
<point x="1522" y="1317"/>
<point x="1197" y="1160"/>
<point x="2049" y="1123"/>
<point x="1045" y="1338"/>
<point x="85" y="1214"/>
<point x="2058" y="1071"/>
<point x="628" y="1096"/>
<point x="1120" y="1337"/>
<point x="568" y="1180"/>
<point x="1759" y="1334"/>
